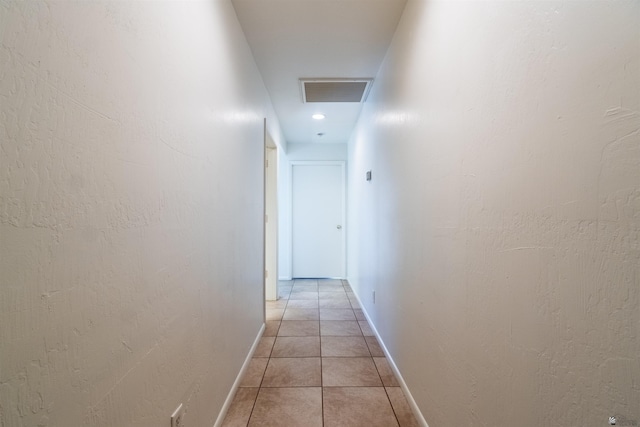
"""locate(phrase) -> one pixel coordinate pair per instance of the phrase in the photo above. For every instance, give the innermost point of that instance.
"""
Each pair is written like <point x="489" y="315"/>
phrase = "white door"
<point x="318" y="234"/>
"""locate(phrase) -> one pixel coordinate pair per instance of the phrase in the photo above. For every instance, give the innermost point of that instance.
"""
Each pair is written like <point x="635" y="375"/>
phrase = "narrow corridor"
<point x="318" y="364"/>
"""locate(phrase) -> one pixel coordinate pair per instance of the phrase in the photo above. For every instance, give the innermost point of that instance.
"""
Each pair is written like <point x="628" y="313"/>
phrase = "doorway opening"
<point x="270" y="217"/>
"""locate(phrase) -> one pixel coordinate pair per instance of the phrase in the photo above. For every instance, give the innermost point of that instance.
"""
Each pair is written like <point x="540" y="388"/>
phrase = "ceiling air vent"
<point x="335" y="90"/>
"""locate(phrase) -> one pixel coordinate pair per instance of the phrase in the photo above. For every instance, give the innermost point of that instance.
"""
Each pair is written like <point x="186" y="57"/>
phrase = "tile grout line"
<point x="374" y="364"/>
<point x="320" y="340"/>
<point x="265" y="368"/>
<point x="390" y="403"/>
<point x="269" y="360"/>
<point x="253" y="406"/>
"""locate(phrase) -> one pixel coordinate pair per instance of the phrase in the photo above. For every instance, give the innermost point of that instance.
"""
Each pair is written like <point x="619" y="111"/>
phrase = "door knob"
<point x="339" y="227"/>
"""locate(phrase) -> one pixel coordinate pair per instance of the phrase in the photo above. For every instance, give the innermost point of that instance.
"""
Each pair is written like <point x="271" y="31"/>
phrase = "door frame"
<point x="343" y="214"/>
<point x="270" y="239"/>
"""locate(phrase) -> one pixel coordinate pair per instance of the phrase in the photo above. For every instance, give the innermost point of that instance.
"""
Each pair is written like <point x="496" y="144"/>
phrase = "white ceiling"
<point x="293" y="39"/>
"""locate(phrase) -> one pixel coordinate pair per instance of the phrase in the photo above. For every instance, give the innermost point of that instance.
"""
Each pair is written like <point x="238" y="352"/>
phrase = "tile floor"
<point x="318" y="364"/>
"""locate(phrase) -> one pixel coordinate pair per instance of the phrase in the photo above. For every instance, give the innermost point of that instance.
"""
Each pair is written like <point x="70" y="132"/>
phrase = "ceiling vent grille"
<point x="335" y="90"/>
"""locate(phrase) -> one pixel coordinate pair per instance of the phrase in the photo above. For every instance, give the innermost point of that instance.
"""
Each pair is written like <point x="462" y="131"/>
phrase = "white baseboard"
<point x="236" y="383"/>
<point x="403" y="385"/>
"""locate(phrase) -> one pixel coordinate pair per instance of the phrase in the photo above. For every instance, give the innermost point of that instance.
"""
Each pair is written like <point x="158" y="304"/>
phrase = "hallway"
<point x="318" y="363"/>
<point x="491" y="198"/>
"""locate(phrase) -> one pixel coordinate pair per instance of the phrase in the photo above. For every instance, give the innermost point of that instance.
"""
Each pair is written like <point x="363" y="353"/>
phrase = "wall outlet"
<point x="374" y="296"/>
<point x="621" y="421"/>
<point x="177" y="418"/>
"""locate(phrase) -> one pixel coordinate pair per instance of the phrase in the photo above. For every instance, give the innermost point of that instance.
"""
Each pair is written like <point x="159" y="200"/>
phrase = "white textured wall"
<point x="130" y="210"/>
<point x="501" y="229"/>
<point x="295" y="152"/>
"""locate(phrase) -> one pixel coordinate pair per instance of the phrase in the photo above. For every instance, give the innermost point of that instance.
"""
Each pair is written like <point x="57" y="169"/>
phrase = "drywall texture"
<point x="501" y="229"/>
<point x="131" y="205"/>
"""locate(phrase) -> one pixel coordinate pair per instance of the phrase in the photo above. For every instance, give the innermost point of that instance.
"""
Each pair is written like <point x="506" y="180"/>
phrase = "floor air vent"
<point x="335" y="90"/>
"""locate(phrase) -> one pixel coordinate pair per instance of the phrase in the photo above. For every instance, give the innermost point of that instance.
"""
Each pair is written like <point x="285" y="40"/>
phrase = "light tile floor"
<point x="318" y="364"/>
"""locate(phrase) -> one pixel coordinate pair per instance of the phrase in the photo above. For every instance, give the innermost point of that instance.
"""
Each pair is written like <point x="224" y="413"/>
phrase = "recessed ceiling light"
<point x="318" y="116"/>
